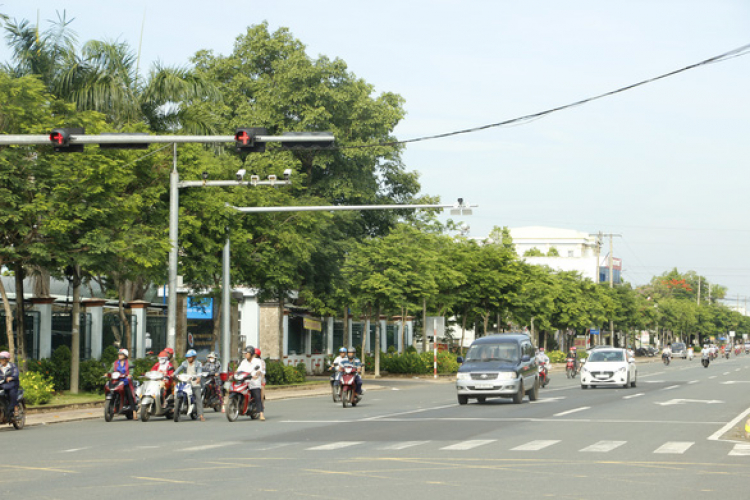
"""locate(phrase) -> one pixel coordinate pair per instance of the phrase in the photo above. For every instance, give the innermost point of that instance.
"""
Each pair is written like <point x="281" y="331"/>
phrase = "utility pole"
<point x="610" y="263"/>
<point x="699" y="290"/>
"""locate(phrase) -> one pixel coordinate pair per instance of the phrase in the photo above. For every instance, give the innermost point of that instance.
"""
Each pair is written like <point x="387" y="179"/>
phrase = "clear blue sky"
<point x="664" y="165"/>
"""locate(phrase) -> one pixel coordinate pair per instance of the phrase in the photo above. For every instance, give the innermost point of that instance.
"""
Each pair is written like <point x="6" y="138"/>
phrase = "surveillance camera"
<point x="287" y="174"/>
<point x="272" y="178"/>
<point x="254" y="179"/>
<point x="241" y="174"/>
<point x="204" y="175"/>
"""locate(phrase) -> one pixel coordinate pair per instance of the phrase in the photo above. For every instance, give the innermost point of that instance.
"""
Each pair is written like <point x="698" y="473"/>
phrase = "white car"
<point x="609" y="367"/>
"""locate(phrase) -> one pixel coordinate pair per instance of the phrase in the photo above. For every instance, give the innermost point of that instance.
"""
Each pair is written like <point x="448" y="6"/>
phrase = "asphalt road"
<point x="665" y="438"/>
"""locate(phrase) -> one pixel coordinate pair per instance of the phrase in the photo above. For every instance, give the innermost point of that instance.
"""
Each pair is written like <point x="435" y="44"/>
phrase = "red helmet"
<point x="163" y="354"/>
<point x="169" y="350"/>
<point x="541" y="349"/>
<point x="257" y="351"/>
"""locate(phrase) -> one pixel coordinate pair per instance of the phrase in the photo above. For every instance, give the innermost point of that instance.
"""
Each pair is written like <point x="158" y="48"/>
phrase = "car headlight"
<point x="584" y="369"/>
<point x="463" y="376"/>
<point x="506" y="376"/>
<point x="624" y="368"/>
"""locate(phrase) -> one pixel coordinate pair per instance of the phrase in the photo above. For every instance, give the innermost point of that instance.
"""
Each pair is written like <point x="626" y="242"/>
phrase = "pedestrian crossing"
<point x="537" y="445"/>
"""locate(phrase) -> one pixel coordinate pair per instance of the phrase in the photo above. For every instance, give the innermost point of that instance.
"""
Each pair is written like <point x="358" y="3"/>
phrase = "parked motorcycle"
<point x="184" y="398"/>
<point x="116" y="402"/>
<point x="543" y="374"/>
<point x="212" y="393"/>
<point x="152" y="397"/>
<point x="349" y="387"/>
<point x="7" y="414"/>
<point x="570" y="368"/>
<point x="240" y="401"/>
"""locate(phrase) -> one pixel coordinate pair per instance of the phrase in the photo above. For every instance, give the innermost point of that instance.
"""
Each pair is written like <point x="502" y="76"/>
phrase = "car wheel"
<point x="534" y="392"/>
<point x="584" y="386"/>
<point x="632" y="384"/>
<point x="481" y="400"/>
<point x="627" y="383"/>
<point x="518" y="397"/>
<point x="462" y="400"/>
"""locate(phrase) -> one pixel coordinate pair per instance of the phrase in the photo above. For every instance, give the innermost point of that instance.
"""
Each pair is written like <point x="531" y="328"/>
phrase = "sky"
<point x="664" y="165"/>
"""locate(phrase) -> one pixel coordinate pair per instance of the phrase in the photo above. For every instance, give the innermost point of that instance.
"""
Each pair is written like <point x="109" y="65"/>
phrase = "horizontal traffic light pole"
<point x="463" y="208"/>
<point x="324" y="138"/>
<point x="188" y="184"/>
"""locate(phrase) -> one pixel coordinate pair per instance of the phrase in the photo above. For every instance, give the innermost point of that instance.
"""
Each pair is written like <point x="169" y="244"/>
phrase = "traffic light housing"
<point x="326" y="140"/>
<point x="244" y="139"/>
<point x="60" y="139"/>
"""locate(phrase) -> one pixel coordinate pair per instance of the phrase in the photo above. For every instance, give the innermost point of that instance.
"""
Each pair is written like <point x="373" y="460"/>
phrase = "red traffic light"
<point x="243" y="137"/>
<point x="60" y="139"/>
<point x="246" y="139"/>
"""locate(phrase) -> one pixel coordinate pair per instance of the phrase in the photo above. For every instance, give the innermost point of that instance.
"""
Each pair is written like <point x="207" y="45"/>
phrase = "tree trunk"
<point x="424" y="325"/>
<point x="281" y="327"/>
<point x="486" y="321"/>
<point x="365" y="334"/>
<point x="463" y="334"/>
<point x="75" y="351"/>
<point x="216" y="331"/>
<point x="403" y="330"/>
<point x="8" y="321"/>
<point x="124" y="337"/>
<point x="377" y="344"/>
<point x="345" y="336"/>
<point x="20" y="311"/>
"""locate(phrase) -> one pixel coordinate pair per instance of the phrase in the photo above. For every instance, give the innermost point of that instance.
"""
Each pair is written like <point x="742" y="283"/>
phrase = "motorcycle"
<point x="115" y="402"/>
<point x="6" y="413"/>
<point x="570" y="368"/>
<point x="212" y="393"/>
<point x="543" y="374"/>
<point x="665" y="359"/>
<point x="348" y="387"/>
<point x="726" y="353"/>
<point x="335" y="385"/>
<point x="737" y="351"/>
<point x="152" y="397"/>
<point x="240" y="400"/>
<point x="705" y="360"/>
<point x="184" y="399"/>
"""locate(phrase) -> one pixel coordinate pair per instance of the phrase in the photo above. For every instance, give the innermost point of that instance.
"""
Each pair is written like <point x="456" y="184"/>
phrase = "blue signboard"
<point x="594" y="331"/>
<point x="200" y="308"/>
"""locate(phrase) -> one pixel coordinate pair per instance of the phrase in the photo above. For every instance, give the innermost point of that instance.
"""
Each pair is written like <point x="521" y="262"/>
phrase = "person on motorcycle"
<point x="573" y="353"/>
<point x="667" y="352"/>
<point x="263" y="367"/>
<point x="192" y="366"/>
<point x="122" y="366"/>
<point x="9" y="382"/>
<point x="337" y="364"/>
<point x="253" y="366"/>
<point x="164" y="366"/>
<point x="211" y="369"/>
<point x="541" y="357"/>
<point x="353" y="360"/>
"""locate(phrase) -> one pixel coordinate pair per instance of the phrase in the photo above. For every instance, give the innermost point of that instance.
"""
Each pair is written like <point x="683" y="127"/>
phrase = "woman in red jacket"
<point x="164" y="366"/>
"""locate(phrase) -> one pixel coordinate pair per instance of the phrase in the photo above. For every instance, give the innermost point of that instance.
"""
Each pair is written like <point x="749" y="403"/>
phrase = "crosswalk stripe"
<point x="674" y="447"/>
<point x="404" y="445"/>
<point x="335" y="446"/>
<point x="604" y="446"/>
<point x="740" y="450"/>
<point x="536" y="445"/>
<point x="468" y="445"/>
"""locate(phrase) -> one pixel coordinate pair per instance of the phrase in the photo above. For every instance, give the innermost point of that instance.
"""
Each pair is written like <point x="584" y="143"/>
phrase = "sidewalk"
<point x="95" y="411"/>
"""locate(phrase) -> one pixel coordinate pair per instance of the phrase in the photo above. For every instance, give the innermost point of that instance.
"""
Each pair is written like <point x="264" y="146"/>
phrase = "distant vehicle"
<point x="679" y="350"/>
<point x="646" y="351"/>
<point x="501" y="366"/>
<point x="609" y="367"/>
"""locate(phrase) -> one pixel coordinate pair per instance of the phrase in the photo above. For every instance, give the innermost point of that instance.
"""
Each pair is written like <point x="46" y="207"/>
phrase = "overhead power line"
<point x="739" y="51"/>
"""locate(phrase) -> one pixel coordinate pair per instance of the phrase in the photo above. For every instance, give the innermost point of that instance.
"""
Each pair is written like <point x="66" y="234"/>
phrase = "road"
<point x="663" y="439"/>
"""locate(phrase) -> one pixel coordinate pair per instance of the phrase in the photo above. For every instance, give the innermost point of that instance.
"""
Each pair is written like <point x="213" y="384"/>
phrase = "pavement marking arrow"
<point x="683" y="401"/>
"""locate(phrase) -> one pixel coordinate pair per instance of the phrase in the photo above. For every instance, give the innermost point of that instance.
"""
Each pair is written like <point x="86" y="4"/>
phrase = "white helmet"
<point x="125" y="352"/>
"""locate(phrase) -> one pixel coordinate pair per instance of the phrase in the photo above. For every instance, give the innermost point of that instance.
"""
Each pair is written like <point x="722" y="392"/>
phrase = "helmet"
<point x="257" y="351"/>
<point x="163" y="354"/>
<point x="125" y="352"/>
<point x="352" y="349"/>
<point x="212" y="354"/>
<point x="342" y="350"/>
<point x="170" y="351"/>
<point x="191" y="353"/>
<point x="4" y="355"/>
<point x="250" y="349"/>
<point x="541" y="349"/>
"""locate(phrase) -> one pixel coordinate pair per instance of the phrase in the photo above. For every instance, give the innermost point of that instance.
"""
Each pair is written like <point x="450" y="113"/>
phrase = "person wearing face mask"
<point x="164" y="366"/>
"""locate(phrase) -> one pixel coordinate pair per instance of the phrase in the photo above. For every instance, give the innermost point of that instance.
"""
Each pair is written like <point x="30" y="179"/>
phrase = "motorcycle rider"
<point x="573" y="353"/>
<point x="667" y="352"/>
<point x="353" y="360"/>
<point x="164" y="366"/>
<point x="541" y="357"/>
<point x="122" y="366"/>
<point x="9" y="382"/>
<point x="263" y="367"/>
<point x="212" y="369"/>
<point x="192" y="366"/>
<point x="336" y="366"/>
<point x="253" y="366"/>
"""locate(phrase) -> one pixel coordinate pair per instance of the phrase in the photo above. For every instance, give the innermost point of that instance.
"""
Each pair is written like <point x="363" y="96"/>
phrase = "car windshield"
<point x="606" y="356"/>
<point x="678" y="347"/>
<point x="493" y="352"/>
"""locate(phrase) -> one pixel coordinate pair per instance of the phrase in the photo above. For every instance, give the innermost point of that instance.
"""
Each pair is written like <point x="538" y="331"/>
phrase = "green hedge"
<point x="37" y="388"/>
<point x="413" y="363"/>
<point x="278" y="373"/>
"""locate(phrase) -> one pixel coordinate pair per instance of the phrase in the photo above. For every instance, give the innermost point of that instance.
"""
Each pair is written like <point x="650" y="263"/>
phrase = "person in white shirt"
<point x="254" y="367"/>
<point x="336" y="367"/>
<point x="541" y="357"/>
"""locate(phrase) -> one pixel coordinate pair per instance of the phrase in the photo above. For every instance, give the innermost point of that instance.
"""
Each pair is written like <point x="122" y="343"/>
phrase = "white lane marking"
<point x="604" y="446"/>
<point x="653" y="374"/>
<point x="731" y="382"/>
<point x="146" y="447"/>
<point x="468" y="445"/>
<point x="716" y="435"/>
<point x="335" y="446"/>
<point x="674" y="447"/>
<point x="547" y="400"/>
<point x="738" y="369"/>
<point x="634" y="395"/>
<point x="420" y="410"/>
<point x="574" y="410"/>
<point x="683" y="401"/>
<point x="740" y="450"/>
<point x="727" y="373"/>
<point x="536" y="445"/>
<point x="210" y="446"/>
<point x="670" y="387"/>
<point x="692" y="382"/>
<point x="550" y="419"/>
<point x="712" y="376"/>
<point x="654" y="381"/>
<point x="274" y="446"/>
<point x="404" y="445"/>
<point x="76" y="449"/>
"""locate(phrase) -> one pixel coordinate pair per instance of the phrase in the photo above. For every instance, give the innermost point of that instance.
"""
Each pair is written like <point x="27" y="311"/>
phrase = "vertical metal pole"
<point x="174" y="208"/>
<point x="611" y="285"/>
<point x="225" y="309"/>
<point x="434" y="349"/>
